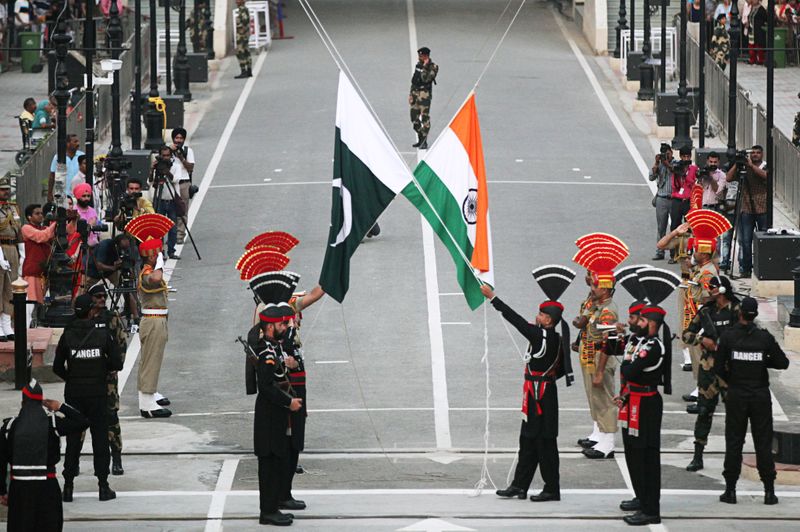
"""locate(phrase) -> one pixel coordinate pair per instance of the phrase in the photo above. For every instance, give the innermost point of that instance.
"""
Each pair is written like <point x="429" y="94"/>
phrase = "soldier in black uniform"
<point x="745" y="352"/>
<point x="84" y="356"/>
<point x="31" y="443"/>
<point x="272" y="431"/>
<point x="547" y="360"/>
<point x="648" y="368"/>
<point x="705" y="329"/>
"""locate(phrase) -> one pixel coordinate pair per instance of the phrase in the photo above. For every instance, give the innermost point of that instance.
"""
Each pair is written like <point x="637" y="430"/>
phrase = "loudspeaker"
<point x="174" y="104"/>
<point x="667" y="102"/>
<point x="634" y="60"/>
<point x="786" y="446"/>
<point x="198" y="67"/>
<point x="140" y="164"/>
<point x="774" y="256"/>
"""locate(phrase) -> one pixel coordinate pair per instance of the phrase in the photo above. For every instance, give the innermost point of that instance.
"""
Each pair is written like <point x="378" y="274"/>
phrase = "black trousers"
<point x="627" y="445"/>
<point x="644" y="466"/>
<point x="96" y="409"/>
<point x="273" y="476"/>
<point x="294" y="458"/>
<point x="35" y="505"/>
<point x="677" y="211"/>
<point x="533" y="453"/>
<point x="742" y="406"/>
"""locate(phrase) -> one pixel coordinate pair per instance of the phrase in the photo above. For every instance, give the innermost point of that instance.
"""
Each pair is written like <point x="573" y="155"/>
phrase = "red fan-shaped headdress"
<point x="600" y="255"/>
<point x="706" y="225"/>
<point x="149" y="230"/>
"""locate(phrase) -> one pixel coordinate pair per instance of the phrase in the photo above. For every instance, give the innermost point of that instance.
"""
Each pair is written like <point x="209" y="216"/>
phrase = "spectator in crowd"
<point x="23" y="15"/>
<point x="723" y="8"/>
<point x="166" y="186"/>
<point x="715" y="184"/>
<point x="43" y="115"/>
<point x="757" y="34"/>
<point x="28" y="109"/>
<point x="661" y="173"/>
<point x="684" y="175"/>
<point x="83" y="197"/>
<point x="37" y="238"/>
<point x="753" y="205"/>
<point x="135" y="204"/>
<point x="182" y="173"/>
<point x="720" y="42"/>
<point x="73" y="143"/>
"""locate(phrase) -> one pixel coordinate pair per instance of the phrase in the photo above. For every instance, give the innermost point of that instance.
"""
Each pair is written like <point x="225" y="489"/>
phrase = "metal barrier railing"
<point x="751" y="127"/>
<point x="30" y="180"/>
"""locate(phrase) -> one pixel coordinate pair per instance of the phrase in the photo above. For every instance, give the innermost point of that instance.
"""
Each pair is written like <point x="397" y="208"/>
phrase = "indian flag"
<point x="367" y="175"/>
<point x="456" y="199"/>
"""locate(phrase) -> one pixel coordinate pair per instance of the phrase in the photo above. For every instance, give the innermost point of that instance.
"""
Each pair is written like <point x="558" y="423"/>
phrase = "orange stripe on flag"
<point x="468" y="130"/>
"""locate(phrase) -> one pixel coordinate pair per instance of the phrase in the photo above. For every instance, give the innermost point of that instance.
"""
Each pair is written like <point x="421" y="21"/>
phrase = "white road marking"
<point x="490" y="181"/>
<point x="272" y="184"/>
<point x="278" y="170"/>
<point x="623" y="470"/>
<point x="441" y="405"/>
<point x="612" y="115"/>
<point x="456" y="323"/>
<point x="433" y="524"/>
<point x="777" y="410"/>
<point x="221" y="491"/>
<point x="451" y="294"/>
<point x="433" y="491"/>
<point x="132" y="354"/>
<point x="576" y="169"/>
<point x="331" y="362"/>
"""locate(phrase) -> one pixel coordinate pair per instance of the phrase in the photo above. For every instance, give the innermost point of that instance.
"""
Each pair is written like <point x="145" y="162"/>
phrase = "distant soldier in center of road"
<point x="243" y="40"/>
<point x="419" y="98"/>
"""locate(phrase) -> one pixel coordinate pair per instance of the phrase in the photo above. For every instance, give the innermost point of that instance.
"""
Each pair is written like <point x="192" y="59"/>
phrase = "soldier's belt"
<point x="148" y="312"/>
<point x="9" y="241"/>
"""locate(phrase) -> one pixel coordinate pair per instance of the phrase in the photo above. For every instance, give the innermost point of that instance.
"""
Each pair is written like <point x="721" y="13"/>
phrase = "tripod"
<point x="157" y="199"/>
<point x="124" y="287"/>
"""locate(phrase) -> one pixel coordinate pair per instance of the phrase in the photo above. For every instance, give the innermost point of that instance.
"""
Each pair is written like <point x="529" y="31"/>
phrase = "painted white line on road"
<point x="491" y="182"/>
<point x="273" y="184"/>
<point x="331" y="362"/>
<point x="132" y="354"/>
<point x="224" y="483"/>
<point x="456" y="323"/>
<point x="431" y="491"/>
<point x="623" y="470"/>
<point x="451" y="294"/>
<point x="777" y="409"/>
<point x="612" y="115"/>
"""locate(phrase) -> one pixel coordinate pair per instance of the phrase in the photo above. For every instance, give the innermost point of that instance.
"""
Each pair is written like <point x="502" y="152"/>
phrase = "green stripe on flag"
<point x="450" y="212"/>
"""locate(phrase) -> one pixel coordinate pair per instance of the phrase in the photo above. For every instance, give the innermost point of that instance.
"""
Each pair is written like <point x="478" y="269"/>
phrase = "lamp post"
<point x="114" y="31"/>
<point x="622" y="24"/>
<point x="89" y="43"/>
<point x="181" y="65"/>
<point x="167" y="45"/>
<point x="701" y="75"/>
<point x="770" y="106"/>
<point x="735" y="36"/>
<point x="646" y="70"/>
<point x="210" y="28"/>
<point x="154" y="120"/>
<point x="682" y="112"/>
<point x="61" y="42"/>
<point x="662" y="78"/>
<point x="136" y="102"/>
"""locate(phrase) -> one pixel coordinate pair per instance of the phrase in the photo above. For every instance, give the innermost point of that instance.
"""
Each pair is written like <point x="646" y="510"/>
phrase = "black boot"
<point x="68" y="488"/>
<point x="105" y="491"/>
<point x="116" y="463"/>
<point x="697" y="462"/>
<point x="512" y="491"/>
<point x="729" y="497"/>
<point x="769" y="492"/>
<point x="246" y="73"/>
<point x="631" y="505"/>
<point x="424" y="144"/>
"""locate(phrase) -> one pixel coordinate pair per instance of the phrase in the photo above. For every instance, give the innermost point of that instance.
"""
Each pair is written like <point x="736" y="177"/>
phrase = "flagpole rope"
<point x="486" y="477"/>
<point x="499" y="44"/>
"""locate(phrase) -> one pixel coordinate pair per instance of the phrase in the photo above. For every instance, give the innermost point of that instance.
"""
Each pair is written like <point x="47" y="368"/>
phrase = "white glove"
<point x="4" y="264"/>
<point x="160" y="262"/>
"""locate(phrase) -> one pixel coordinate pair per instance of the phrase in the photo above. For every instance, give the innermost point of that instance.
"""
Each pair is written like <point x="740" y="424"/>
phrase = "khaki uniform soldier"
<point x="243" y="40"/>
<point x="599" y="253"/>
<point x="420" y="96"/>
<point x="9" y="258"/>
<point x="150" y="230"/>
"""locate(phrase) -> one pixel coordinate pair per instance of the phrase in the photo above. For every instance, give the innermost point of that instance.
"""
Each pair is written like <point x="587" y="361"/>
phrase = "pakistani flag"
<point x="367" y="174"/>
<point x="453" y="177"/>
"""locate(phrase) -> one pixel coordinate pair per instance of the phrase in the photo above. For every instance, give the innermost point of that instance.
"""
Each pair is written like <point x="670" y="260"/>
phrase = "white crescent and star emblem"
<point x="347" y="213"/>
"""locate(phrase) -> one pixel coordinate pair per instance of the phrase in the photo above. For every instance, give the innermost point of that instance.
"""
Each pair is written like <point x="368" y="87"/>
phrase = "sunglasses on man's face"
<point x="85" y="196"/>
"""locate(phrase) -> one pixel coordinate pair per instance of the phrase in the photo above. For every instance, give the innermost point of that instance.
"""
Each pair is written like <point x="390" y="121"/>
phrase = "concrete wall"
<point x="595" y="24"/>
<point x="223" y="17"/>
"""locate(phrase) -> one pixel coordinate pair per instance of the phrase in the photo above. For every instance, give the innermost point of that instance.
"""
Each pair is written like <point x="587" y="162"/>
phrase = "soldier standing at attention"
<point x="420" y="96"/>
<point x="243" y="40"/>
<point x="9" y="257"/>
<point x="745" y="352"/>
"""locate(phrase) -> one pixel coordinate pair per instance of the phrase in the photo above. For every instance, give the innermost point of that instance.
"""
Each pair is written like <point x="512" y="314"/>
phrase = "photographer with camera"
<point x="751" y="174"/>
<point x="715" y="189"/>
<point x="133" y="204"/>
<point x="37" y="238"/>
<point x="111" y="261"/>
<point x="684" y="175"/>
<point x="183" y="175"/>
<point x="661" y="173"/>
<point x="165" y="197"/>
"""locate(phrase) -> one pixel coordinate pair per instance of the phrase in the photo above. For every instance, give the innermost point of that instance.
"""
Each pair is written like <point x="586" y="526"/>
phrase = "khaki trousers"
<point x="7" y="277"/>
<point x="600" y="398"/>
<point x="153" y="336"/>
<point x="183" y="191"/>
<point x="695" y="352"/>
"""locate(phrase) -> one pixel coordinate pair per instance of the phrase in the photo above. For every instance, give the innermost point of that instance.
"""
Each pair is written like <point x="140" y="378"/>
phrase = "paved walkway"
<point x="15" y="86"/>
<point x="787" y="83"/>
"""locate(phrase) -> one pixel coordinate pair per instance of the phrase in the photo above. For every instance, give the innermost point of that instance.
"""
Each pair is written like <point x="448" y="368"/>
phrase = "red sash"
<point x="634" y="406"/>
<point x="535" y="384"/>
<point x="622" y="416"/>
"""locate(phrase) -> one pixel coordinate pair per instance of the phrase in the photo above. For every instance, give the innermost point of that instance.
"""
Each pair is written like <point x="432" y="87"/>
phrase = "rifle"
<point x="250" y="384"/>
<point x="709" y="329"/>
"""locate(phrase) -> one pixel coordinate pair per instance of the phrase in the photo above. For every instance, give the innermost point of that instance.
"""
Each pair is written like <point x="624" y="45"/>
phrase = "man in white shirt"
<point x="182" y="171"/>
